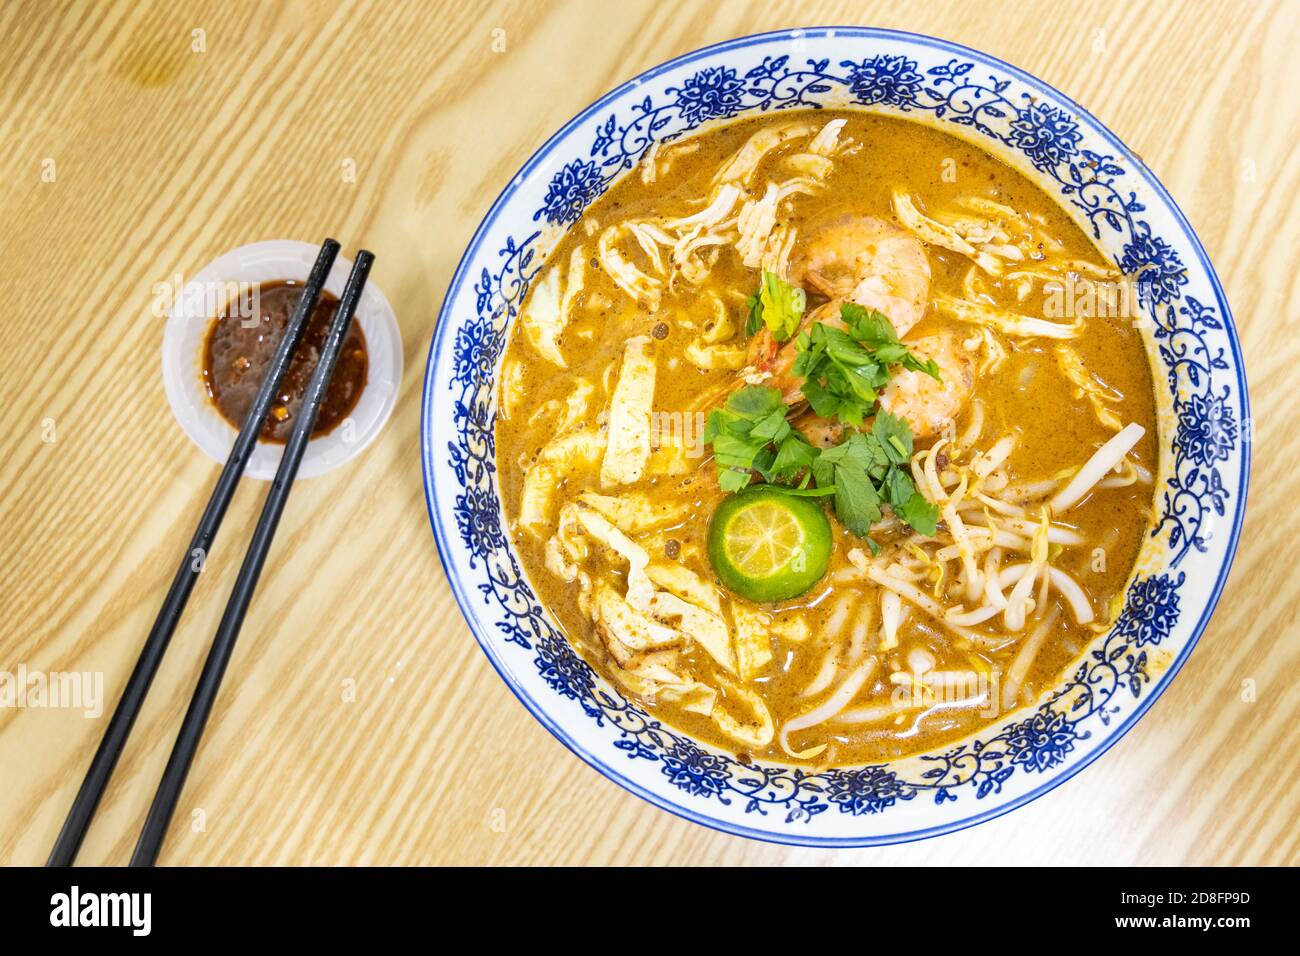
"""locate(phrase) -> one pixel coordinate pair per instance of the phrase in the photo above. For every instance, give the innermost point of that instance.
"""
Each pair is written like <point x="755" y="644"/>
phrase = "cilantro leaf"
<point x="930" y="367"/>
<point x="750" y="433"/>
<point x="877" y="333"/>
<point x="898" y="487"/>
<point x="754" y="401"/>
<point x="842" y="378"/>
<point x="735" y="451"/>
<point x="754" y="319"/>
<point x="847" y="466"/>
<point x="869" y="469"/>
<point x="857" y="502"/>
<point x="894" y="436"/>
<point x="732" y="480"/>
<point x="771" y="428"/>
<point x="920" y="513"/>
<point x="793" y="455"/>
<point x="868" y="326"/>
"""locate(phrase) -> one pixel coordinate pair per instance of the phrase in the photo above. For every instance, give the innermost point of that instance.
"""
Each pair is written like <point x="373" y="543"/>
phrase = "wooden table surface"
<point x="359" y="722"/>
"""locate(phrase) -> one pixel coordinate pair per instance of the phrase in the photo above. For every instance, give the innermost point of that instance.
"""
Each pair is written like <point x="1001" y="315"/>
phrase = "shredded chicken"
<point x="735" y="214"/>
<point x="1089" y="386"/>
<point x="1006" y="322"/>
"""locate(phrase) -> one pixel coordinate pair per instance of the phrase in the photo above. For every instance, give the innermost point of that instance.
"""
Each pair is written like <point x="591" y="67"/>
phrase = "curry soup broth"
<point x="1027" y="395"/>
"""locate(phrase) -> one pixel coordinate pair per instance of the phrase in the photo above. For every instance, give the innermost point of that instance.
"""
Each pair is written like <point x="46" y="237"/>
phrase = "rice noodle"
<point x="1018" y="602"/>
<point x="992" y="589"/>
<point x="824" y="676"/>
<point x="986" y="462"/>
<point x="1024" y="659"/>
<point x="1065" y="585"/>
<point x="976" y="426"/>
<point x="861" y="631"/>
<point x="1000" y="506"/>
<point x="1030" y="490"/>
<point x="833" y="704"/>
<point x="873" y="713"/>
<point x="1056" y="533"/>
<point x="970" y="618"/>
<point x="848" y="574"/>
<point x="901" y="572"/>
<point x="922" y="600"/>
<point x="891" y="616"/>
<point x="839" y="615"/>
<point x="1094" y="470"/>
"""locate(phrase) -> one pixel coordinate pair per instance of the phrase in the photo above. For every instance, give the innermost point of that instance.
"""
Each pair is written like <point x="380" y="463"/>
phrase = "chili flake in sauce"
<point x="237" y="353"/>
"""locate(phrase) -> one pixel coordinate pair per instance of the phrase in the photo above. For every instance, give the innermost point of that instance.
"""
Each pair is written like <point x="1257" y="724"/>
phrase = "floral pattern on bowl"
<point x="1205" y="451"/>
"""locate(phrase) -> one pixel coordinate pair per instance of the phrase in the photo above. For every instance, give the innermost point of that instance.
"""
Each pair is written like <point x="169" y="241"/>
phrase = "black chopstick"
<point x="223" y="645"/>
<point x="192" y="563"/>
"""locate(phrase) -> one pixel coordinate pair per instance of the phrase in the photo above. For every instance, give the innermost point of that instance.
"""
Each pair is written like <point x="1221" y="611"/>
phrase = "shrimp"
<point x="931" y="407"/>
<point x="870" y="262"/>
<point x="818" y="430"/>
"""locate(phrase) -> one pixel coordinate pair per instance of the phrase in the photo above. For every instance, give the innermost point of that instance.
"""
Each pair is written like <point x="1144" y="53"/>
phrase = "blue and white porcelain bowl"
<point x="1204" y="421"/>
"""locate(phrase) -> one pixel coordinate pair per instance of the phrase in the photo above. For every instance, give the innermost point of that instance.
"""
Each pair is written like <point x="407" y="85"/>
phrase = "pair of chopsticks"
<point x="192" y="563"/>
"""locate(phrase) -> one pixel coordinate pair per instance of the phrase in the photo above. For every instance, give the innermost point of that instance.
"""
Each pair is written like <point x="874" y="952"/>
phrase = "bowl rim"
<point x="792" y="838"/>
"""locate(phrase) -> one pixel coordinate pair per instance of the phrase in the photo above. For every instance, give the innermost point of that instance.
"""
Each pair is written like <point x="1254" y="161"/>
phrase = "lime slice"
<point x="769" y="546"/>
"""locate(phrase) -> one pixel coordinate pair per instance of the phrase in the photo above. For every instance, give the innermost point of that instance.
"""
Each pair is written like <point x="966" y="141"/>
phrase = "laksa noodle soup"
<point x="807" y="440"/>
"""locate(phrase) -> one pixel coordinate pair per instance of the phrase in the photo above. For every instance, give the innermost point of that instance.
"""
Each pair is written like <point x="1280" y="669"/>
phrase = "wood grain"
<point x="165" y="157"/>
